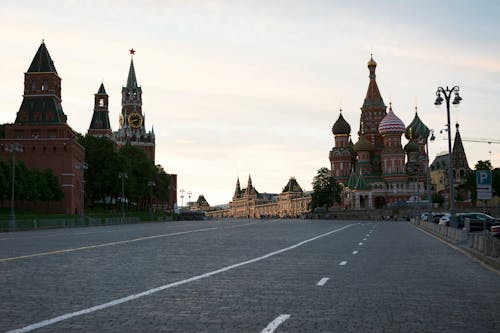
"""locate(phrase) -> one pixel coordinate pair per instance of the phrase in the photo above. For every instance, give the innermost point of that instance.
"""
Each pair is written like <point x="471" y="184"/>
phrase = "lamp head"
<point x="439" y="100"/>
<point x="457" y="99"/>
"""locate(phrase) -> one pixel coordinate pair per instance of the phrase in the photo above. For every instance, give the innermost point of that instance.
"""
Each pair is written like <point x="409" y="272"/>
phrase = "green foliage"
<point x="30" y="185"/>
<point x="326" y="189"/>
<point x="104" y="165"/>
<point x="437" y="198"/>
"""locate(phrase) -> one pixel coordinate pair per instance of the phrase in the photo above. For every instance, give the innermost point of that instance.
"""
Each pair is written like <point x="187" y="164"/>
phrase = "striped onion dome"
<point x="420" y="131"/>
<point x="391" y="123"/>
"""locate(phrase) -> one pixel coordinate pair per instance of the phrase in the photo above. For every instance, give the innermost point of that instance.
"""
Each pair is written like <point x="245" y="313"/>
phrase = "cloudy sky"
<point x="234" y="88"/>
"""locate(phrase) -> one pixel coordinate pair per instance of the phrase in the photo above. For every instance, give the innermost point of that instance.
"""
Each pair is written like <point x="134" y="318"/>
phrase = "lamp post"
<point x="189" y="195"/>
<point x="447" y="93"/>
<point x="82" y="166"/>
<point x="123" y="176"/>
<point x="151" y="184"/>
<point x="13" y="148"/>
<point x="429" y="190"/>
<point x="182" y="198"/>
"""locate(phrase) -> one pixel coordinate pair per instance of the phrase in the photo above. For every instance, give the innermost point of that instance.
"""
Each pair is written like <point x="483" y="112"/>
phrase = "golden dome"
<point x="372" y="62"/>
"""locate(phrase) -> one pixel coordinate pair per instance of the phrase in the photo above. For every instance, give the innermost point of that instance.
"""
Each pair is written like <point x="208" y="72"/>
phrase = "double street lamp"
<point x="13" y="148"/>
<point x="447" y="94"/>
<point x="429" y="190"/>
<point x="123" y="176"/>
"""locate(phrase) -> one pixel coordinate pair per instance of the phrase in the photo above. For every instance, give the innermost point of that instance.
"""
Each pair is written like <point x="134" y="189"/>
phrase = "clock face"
<point x="135" y="120"/>
<point x="121" y="120"/>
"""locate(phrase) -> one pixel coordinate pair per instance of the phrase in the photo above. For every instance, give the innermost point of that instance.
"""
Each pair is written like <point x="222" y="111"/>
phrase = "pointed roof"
<point x="341" y="126"/>
<point x="373" y="97"/>
<point x="353" y="179"/>
<point x="42" y="62"/>
<point x="458" y="152"/>
<point x="361" y="183"/>
<point x="237" y="190"/>
<point x="101" y="90"/>
<point x="131" y="80"/>
<point x="292" y="186"/>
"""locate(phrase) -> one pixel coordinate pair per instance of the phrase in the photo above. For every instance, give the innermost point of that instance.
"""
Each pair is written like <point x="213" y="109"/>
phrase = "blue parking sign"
<point x="483" y="178"/>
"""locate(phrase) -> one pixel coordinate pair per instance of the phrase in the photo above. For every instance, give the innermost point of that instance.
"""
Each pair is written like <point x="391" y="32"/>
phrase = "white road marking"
<point x="118" y="301"/>
<point x="275" y="323"/>
<point x="343" y="263"/>
<point x="360" y="243"/>
<point x="354" y="252"/>
<point x="322" y="281"/>
<point x="102" y="245"/>
<point x="364" y="239"/>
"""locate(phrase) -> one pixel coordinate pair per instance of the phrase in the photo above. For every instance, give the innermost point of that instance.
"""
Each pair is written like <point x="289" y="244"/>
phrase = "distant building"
<point x="292" y="202"/>
<point x="440" y="166"/>
<point x="377" y="171"/>
<point x="47" y="140"/>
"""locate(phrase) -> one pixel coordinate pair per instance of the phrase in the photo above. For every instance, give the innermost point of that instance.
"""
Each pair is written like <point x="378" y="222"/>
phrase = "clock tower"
<point x="132" y="128"/>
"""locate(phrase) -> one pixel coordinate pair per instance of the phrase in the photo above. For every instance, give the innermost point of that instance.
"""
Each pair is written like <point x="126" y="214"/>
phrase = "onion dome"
<point x="411" y="147"/>
<point x="341" y="126"/>
<point x="391" y="123"/>
<point x="420" y="131"/>
<point x="372" y="62"/>
<point x="363" y="144"/>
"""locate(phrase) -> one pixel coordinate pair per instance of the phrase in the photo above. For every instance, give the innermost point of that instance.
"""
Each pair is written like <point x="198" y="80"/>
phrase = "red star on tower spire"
<point x="132" y="51"/>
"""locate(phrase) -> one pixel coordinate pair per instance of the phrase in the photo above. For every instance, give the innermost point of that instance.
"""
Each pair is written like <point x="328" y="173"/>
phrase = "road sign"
<point x="483" y="184"/>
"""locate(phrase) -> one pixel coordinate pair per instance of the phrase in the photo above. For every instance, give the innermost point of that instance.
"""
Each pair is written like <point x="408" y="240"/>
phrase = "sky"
<point x="238" y="88"/>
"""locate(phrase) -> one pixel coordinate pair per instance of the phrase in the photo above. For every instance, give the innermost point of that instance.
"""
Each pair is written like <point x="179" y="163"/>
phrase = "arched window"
<point x="101" y="102"/>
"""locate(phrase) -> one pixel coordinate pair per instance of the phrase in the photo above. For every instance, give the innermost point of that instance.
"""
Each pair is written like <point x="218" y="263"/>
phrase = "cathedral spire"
<point x="373" y="97"/>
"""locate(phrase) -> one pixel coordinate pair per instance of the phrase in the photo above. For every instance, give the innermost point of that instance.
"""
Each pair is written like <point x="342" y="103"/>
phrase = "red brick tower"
<point x="40" y="127"/>
<point x="372" y="112"/>
<point x="132" y="121"/>
<point x="342" y="156"/>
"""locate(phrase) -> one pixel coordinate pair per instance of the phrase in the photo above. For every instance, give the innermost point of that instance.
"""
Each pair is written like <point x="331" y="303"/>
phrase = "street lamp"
<point x="429" y="190"/>
<point x="123" y="176"/>
<point x="189" y="195"/>
<point x="182" y="198"/>
<point x="13" y="148"/>
<point x="82" y="166"/>
<point x="447" y="93"/>
<point x="151" y="184"/>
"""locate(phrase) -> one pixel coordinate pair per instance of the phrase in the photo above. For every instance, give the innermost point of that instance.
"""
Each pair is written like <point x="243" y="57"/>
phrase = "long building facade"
<point x="292" y="202"/>
<point x="377" y="171"/>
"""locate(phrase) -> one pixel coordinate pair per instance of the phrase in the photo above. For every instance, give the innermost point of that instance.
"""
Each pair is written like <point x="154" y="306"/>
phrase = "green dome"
<point x="411" y="147"/>
<point x="420" y="131"/>
<point x="363" y="144"/>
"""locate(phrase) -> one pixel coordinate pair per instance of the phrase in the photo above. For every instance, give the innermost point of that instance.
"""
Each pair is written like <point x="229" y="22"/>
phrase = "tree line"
<point x="103" y="187"/>
<point x="34" y="185"/>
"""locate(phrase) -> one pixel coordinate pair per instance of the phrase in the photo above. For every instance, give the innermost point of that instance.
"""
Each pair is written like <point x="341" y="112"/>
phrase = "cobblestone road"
<point x="243" y="276"/>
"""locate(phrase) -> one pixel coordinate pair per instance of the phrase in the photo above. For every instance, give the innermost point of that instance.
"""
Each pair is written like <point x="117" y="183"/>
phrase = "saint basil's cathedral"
<point x="377" y="170"/>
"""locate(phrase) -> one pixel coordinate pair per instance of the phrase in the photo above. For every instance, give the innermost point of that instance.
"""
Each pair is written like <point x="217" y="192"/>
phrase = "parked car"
<point x="478" y="221"/>
<point x="495" y="231"/>
<point x="436" y="217"/>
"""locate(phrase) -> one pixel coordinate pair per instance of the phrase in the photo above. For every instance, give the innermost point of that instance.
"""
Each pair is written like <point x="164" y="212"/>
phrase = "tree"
<point x="326" y="190"/>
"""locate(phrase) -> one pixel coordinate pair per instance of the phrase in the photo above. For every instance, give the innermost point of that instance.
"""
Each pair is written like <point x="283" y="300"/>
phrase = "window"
<point x="33" y="85"/>
<point x="101" y="102"/>
<point x="45" y="85"/>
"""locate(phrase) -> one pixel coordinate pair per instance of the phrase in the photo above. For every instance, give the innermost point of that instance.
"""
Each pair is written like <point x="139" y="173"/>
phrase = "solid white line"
<point x="343" y="263"/>
<point x="322" y="281"/>
<point x="354" y="252"/>
<point x="57" y="319"/>
<point x="275" y="323"/>
<point x="103" y="245"/>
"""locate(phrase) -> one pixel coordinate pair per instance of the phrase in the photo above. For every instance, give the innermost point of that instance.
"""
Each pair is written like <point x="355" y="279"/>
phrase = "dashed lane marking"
<point x="275" y="323"/>
<point x="360" y="244"/>
<point x="343" y="263"/>
<point x="355" y="252"/>
<point x="322" y="281"/>
<point x="125" y="299"/>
